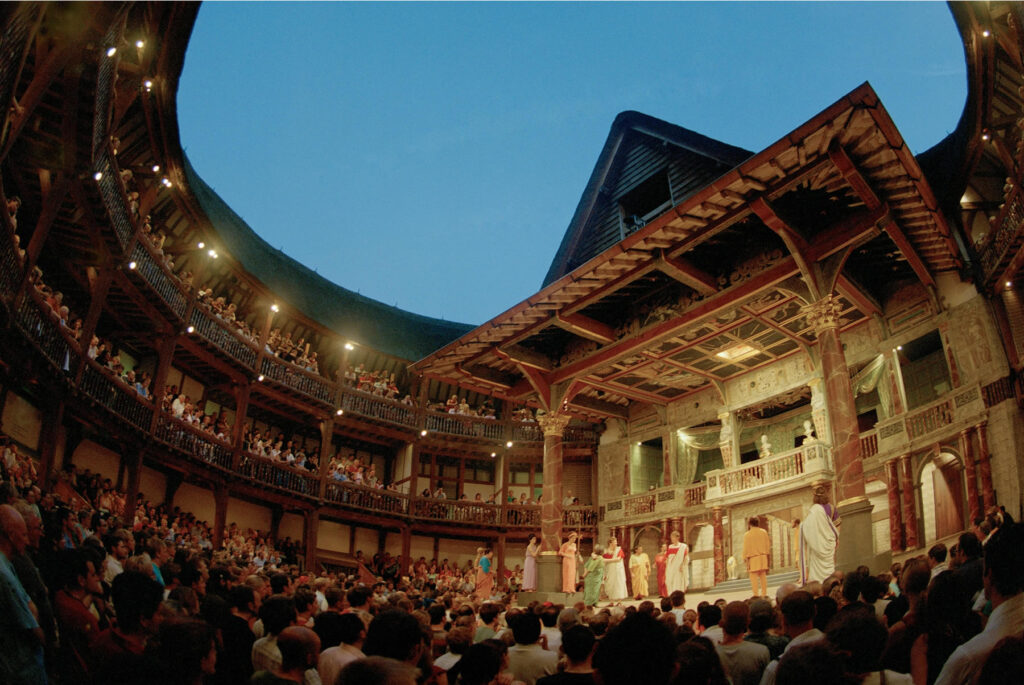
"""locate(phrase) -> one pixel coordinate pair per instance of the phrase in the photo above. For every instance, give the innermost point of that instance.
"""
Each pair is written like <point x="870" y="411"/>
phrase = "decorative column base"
<point x="549" y="583"/>
<point x="856" y="542"/>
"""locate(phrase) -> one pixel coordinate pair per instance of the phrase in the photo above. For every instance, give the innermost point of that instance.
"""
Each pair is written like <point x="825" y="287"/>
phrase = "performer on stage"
<point x="568" y="553"/>
<point x="615" y="571"/>
<point x="756" y="548"/>
<point x="593" y="575"/>
<point x="485" y="576"/>
<point x="677" y="569"/>
<point x="819" y="534"/>
<point x="639" y="571"/>
<point x="660" y="561"/>
<point x="530" y="565"/>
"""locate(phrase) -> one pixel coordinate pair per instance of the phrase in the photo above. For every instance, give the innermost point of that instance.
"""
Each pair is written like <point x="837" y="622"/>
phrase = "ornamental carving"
<point x="553" y="424"/>
<point x="824" y="314"/>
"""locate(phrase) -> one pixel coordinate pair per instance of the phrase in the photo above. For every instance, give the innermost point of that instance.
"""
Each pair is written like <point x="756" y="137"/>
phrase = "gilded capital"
<point x="553" y="424"/>
<point x="824" y="314"/>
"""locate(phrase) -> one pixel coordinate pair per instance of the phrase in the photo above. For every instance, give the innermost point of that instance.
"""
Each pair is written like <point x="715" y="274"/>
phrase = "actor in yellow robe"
<point x="756" y="548"/>
<point x="639" y="572"/>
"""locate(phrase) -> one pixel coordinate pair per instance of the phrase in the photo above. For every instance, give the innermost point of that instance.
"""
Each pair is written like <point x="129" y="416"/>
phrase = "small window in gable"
<point x="644" y="202"/>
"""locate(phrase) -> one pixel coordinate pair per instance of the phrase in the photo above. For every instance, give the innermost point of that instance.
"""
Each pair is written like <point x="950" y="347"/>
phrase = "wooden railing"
<point x="694" y="495"/>
<point x="222" y="335"/>
<point x="522" y="516"/>
<point x="309" y="384"/>
<point x="639" y="505"/>
<point x="116" y="396"/>
<point x="11" y="266"/>
<point x="462" y="511"/>
<point x="526" y="431"/>
<point x="930" y="418"/>
<point x="198" y="444"/>
<point x="1008" y="226"/>
<point x="40" y="325"/>
<point x="374" y="407"/>
<point x="114" y="199"/>
<point x="472" y="426"/>
<point x="579" y="517"/>
<point x="279" y="475"/>
<point x="160" y="279"/>
<point x="812" y="460"/>
<point x="868" y="444"/>
<point x="362" y="497"/>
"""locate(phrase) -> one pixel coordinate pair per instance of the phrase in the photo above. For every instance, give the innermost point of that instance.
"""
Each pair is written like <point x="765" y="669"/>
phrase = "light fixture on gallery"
<point x="508" y="444"/>
<point x="148" y="85"/>
<point x="131" y="266"/>
<point x="493" y="455"/>
<point x="274" y="308"/>
<point x="98" y="176"/>
<point x="167" y="182"/>
<point x="985" y="135"/>
<point x="201" y="245"/>
<point x="140" y="44"/>
<point x="1009" y="284"/>
<point x="423" y="433"/>
<point x="339" y="412"/>
<point x="212" y="253"/>
<point x="191" y="329"/>
<point x="111" y="51"/>
<point x="260" y="378"/>
<point x="986" y="33"/>
<point x="349" y="346"/>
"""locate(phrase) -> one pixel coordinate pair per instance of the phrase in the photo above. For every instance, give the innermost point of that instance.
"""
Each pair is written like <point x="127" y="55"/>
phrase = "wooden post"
<point x="309" y="534"/>
<point x="165" y="357"/>
<point x="98" y="289"/>
<point x="49" y="436"/>
<point x="220" y="514"/>
<point x="326" y="433"/>
<point x="895" y="511"/>
<point x="132" y="461"/>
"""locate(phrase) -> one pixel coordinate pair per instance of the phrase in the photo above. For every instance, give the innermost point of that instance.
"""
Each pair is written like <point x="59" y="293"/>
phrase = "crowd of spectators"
<point x="181" y="407"/>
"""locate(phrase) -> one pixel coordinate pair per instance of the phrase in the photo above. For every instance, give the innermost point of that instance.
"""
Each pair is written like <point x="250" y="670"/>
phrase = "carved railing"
<point x="868" y="444"/>
<point x="930" y="418"/>
<point x="41" y="326"/>
<point x="811" y="460"/>
<point x="471" y="426"/>
<point x="280" y="476"/>
<point x="114" y="199"/>
<point x="579" y="517"/>
<point x="106" y="74"/>
<point x="461" y="511"/>
<point x="13" y="43"/>
<point x="116" y="396"/>
<point x="638" y="505"/>
<point x="579" y="434"/>
<point x="1007" y="229"/>
<point x="372" y="406"/>
<point x="951" y="412"/>
<point x="193" y="442"/>
<point x="159" y="278"/>
<point x="222" y="335"/>
<point x="309" y="384"/>
<point x="10" y="263"/>
<point x="526" y="431"/>
<point x="694" y="495"/>
<point x="363" y="497"/>
<point x="522" y="516"/>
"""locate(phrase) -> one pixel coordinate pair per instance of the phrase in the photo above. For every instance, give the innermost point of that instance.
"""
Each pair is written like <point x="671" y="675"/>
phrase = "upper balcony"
<point x="772" y="475"/>
<point x="946" y="416"/>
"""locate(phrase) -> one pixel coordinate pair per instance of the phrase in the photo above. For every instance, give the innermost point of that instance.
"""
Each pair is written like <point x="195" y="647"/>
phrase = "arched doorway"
<point x="941" y="483"/>
<point x="650" y="539"/>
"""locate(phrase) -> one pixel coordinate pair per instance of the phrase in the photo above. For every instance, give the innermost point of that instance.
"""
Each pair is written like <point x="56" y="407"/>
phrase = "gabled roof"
<point x="709" y="159"/>
<point x="386" y="329"/>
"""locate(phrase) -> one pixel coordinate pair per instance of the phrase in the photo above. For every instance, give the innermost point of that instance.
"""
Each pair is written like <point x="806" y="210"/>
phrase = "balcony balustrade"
<point x="944" y="417"/>
<point x="281" y="476"/>
<point x="222" y="335"/>
<point x="526" y="431"/>
<point x="41" y="326"/>
<point x="10" y="264"/>
<point x="311" y="385"/>
<point x="376" y="407"/>
<point x="771" y="475"/>
<point x="194" y="443"/>
<point x="163" y="283"/>
<point x="673" y="500"/>
<point x="352" y="496"/>
<point x="471" y="426"/>
<point x="999" y="245"/>
<point x="117" y="397"/>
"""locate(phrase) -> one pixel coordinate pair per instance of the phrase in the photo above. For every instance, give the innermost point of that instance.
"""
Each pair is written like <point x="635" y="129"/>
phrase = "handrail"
<point x="34" y="317"/>
<point x="279" y="475"/>
<point x="11" y="265"/>
<point x="461" y="424"/>
<point x="348" y="494"/>
<point x="463" y="511"/>
<point x="1007" y="226"/>
<point x="868" y="444"/>
<point x="113" y="195"/>
<point x="808" y="458"/>
<point x="192" y="441"/>
<point x="314" y="386"/>
<point x="163" y="282"/>
<point x="376" y="407"/>
<point x="223" y="336"/>
<point x="526" y="431"/>
<point x="116" y="396"/>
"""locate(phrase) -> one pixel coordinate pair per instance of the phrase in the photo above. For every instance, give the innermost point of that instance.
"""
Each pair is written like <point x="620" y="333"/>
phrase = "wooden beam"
<point x="44" y="75"/>
<point x="716" y="303"/>
<point x="795" y="242"/>
<point x="525" y="357"/>
<point x="585" y="327"/>
<point x="854" y="229"/>
<point x="609" y="409"/>
<point x="915" y="261"/>
<point x="484" y="374"/>
<point x="686" y="273"/>
<point x="852" y="291"/>
<point x="852" y="175"/>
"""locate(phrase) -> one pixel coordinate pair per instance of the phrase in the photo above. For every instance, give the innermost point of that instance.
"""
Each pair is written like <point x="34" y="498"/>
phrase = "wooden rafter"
<point x="686" y="273"/>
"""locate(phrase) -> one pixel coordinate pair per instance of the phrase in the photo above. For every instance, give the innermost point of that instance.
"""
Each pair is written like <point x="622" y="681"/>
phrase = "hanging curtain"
<point x="688" y="453"/>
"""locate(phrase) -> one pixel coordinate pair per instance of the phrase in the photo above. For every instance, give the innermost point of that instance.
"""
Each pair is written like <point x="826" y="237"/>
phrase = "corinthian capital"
<point x="553" y="424"/>
<point x="824" y="314"/>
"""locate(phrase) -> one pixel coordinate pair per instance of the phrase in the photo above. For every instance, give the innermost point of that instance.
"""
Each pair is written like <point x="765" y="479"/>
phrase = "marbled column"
<point x="677" y="524"/>
<point x="719" y="541"/>
<point x="909" y="503"/>
<point x="824" y="317"/>
<point x="988" y="495"/>
<point x="895" y="515"/>
<point x="666" y="530"/>
<point x="553" y="426"/>
<point x="970" y="475"/>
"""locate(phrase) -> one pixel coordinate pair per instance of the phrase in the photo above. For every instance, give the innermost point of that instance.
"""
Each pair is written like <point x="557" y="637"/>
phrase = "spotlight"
<point x="156" y="168"/>
<point x="201" y="245"/>
<point x="212" y="253"/>
<point x="985" y="135"/>
<point x="899" y="348"/>
<point x="131" y="265"/>
<point x="191" y="329"/>
<point x="508" y="444"/>
<point x="140" y="44"/>
<point x="274" y="308"/>
<point x="111" y="52"/>
<point x="339" y="412"/>
<point x="986" y="33"/>
<point x="98" y="176"/>
<point x="423" y="433"/>
<point x="493" y="455"/>
<point x="349" y="346"/>
<point x="260" y="378"/>
<point x="1009" y="284"/>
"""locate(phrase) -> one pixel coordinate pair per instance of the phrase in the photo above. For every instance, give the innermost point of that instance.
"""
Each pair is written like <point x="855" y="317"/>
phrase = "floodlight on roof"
<point x="986" y="33"/>
<point x="148" y="84"/>
<point x="201" y="245"/>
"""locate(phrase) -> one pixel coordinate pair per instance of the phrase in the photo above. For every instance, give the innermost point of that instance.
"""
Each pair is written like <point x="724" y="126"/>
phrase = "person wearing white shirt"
<point x="937" y="559"/>
<point x="1004" y="586"/>
<point x="798" y="625"/>
<point x="333" y="659"/>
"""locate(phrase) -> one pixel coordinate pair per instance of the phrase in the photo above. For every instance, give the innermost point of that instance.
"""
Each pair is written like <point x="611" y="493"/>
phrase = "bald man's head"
<point x="300" y="648"/>
<point x="13" y="531"/>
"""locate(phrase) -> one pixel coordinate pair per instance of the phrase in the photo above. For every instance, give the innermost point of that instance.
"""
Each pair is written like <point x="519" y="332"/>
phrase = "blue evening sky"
<point x="431" y="155"/>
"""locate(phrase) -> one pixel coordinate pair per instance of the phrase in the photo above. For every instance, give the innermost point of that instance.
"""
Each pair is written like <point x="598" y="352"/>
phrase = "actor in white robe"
<point x="819" y="534"/>
<point x="615" y="571"/>
<point x="677" y="570"/>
